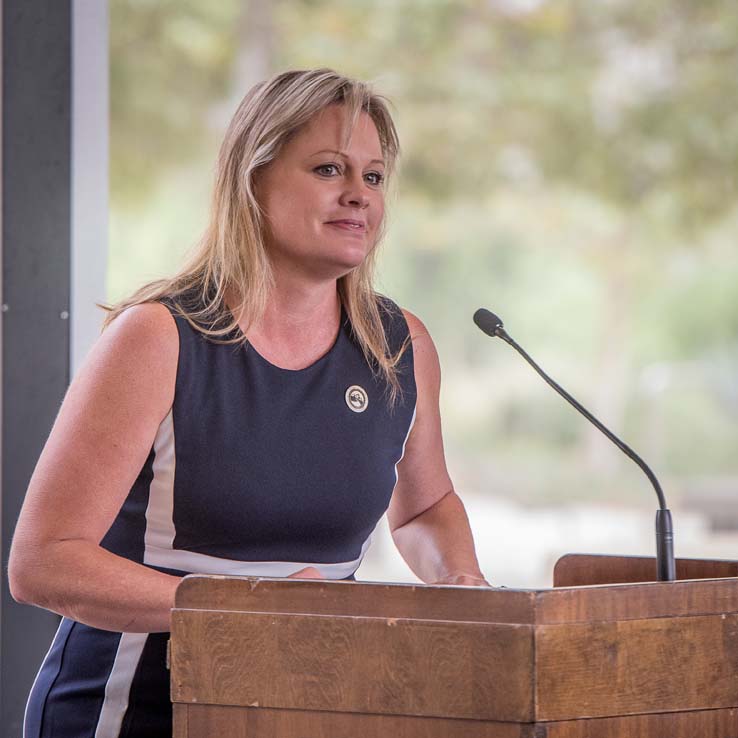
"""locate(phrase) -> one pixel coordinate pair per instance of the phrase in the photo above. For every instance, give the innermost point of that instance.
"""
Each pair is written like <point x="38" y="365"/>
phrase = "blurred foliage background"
<point x="571" y="165"/>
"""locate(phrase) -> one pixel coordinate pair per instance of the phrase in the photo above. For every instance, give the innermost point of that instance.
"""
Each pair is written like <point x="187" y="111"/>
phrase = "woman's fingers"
<point x="464" y="580"/>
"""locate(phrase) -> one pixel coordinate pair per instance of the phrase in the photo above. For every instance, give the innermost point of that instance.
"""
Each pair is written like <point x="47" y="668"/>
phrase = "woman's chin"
<point x="348" y="259"/>
<point x="341" y="269"/>
<point x="326" y="263"/>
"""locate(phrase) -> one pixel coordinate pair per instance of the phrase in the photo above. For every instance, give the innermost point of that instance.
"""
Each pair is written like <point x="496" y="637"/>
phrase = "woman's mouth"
<point x="355" y="226"/>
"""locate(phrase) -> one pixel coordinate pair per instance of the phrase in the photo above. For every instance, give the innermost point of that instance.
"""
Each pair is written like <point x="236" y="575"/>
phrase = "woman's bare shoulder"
<point x="414" y="323"/>
<point x="139" y="348"/>
<point x="146" y="318"/>
<point x="148" y="327"/>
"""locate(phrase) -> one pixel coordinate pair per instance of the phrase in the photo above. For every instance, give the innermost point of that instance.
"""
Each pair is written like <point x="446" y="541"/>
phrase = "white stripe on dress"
<point x="159" y="535"/>
<point x="118" y="686"/>
<point x="198" y="563"/>
<point x="404" y="444"/>
<point x="159" y="532"/>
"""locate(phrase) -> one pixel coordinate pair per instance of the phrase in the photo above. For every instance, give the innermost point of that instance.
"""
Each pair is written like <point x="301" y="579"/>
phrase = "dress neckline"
<point x="248" y="346"/>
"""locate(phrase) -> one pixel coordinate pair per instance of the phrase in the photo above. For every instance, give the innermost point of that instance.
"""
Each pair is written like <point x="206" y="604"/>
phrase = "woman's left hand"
<point x="464" y="580"/>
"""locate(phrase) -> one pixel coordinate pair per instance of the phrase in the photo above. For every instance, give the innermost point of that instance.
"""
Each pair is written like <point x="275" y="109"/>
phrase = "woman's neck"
<point x="295" y="314"/>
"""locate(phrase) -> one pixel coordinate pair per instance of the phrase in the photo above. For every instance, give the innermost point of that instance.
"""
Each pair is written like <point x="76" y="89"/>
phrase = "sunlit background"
<point x="570" y="165"/>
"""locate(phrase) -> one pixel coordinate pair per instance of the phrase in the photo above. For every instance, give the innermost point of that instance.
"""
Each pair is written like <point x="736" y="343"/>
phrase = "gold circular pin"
<point x="356" y="398"/>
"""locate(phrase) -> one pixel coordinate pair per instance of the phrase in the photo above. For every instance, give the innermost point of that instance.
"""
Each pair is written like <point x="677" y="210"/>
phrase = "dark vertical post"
<point x="53" y="247"/>
<point x="36" y="213"/>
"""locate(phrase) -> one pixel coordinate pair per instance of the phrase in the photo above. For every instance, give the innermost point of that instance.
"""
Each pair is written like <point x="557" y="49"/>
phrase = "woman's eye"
<point x="325" y="166"/>
<point x="378" y="177"/>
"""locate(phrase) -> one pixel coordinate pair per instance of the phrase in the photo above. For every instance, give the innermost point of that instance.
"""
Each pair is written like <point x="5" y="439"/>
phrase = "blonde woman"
<point x="255" y="414"/>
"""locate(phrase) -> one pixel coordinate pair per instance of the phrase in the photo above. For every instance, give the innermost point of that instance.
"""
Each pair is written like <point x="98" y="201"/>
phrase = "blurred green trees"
<point x="570" y="164"/>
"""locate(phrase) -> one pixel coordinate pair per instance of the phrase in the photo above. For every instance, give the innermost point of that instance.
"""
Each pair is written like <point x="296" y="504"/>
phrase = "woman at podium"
<point x="254" y="414"/>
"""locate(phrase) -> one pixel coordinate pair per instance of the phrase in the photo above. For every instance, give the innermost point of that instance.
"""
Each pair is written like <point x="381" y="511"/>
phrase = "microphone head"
<point x="487" y="322"/>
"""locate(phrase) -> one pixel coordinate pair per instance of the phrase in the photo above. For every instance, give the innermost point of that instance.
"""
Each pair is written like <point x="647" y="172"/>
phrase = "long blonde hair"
<point x="231" y="256"/>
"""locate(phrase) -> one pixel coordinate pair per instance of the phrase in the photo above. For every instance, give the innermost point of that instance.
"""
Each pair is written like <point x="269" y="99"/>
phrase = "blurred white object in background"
<point x="518" y="546"/>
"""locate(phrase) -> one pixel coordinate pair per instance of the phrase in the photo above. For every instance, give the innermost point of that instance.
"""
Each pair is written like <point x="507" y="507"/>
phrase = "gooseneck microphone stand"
<point x="490" y="324"/>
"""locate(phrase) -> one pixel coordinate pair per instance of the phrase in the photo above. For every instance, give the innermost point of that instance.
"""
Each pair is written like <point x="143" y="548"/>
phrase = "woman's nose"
<point x="355" y="194"/>
<point x="356" y="199"/>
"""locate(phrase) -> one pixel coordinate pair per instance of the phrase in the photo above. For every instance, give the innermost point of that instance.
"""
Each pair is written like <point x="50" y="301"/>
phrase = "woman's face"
<point x="311" y="185"/>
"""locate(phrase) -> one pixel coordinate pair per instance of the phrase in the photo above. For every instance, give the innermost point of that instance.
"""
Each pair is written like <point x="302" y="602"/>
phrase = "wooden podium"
<point x="591" y="658"/>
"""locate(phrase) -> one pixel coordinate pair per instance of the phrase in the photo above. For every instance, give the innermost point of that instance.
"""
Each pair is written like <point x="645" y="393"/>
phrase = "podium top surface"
<point x="570" y="604"/>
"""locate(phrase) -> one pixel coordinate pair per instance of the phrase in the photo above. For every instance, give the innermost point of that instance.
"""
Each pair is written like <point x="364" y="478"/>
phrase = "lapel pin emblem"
<point x="356" y="398"/>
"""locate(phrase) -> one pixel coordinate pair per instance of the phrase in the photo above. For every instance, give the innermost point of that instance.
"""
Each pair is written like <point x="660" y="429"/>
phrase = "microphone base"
<point x="665" y="562"/>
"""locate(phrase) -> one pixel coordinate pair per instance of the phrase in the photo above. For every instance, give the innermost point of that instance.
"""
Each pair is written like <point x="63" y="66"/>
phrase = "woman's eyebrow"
<point x="344" y="155"/>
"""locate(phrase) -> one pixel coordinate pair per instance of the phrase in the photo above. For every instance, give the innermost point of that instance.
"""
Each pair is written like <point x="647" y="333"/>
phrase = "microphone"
<point x="490" y="324"/>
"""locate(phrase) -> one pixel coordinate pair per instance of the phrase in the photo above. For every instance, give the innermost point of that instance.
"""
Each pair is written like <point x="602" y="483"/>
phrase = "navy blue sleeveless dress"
<point x="256" y="470"/>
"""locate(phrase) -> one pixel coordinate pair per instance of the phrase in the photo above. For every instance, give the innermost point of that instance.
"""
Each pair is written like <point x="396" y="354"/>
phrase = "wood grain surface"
<point x="233" y="722"/>
<point x="370" y="599"/>
<point x="208" y="721"/>
<point x="320" y="659"/>
<point x="576" y="570"/>
<point x="636" y="601"/>
<point x="180" y="721"/>
<point x="634" y="667"/>
<point x="351" y="664"/>
<point x="699" y="724"/>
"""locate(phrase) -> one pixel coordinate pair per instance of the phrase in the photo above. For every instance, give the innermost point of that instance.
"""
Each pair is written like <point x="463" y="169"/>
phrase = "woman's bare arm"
<point x="427" y="518"/>
<point x="99" y="442"/>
